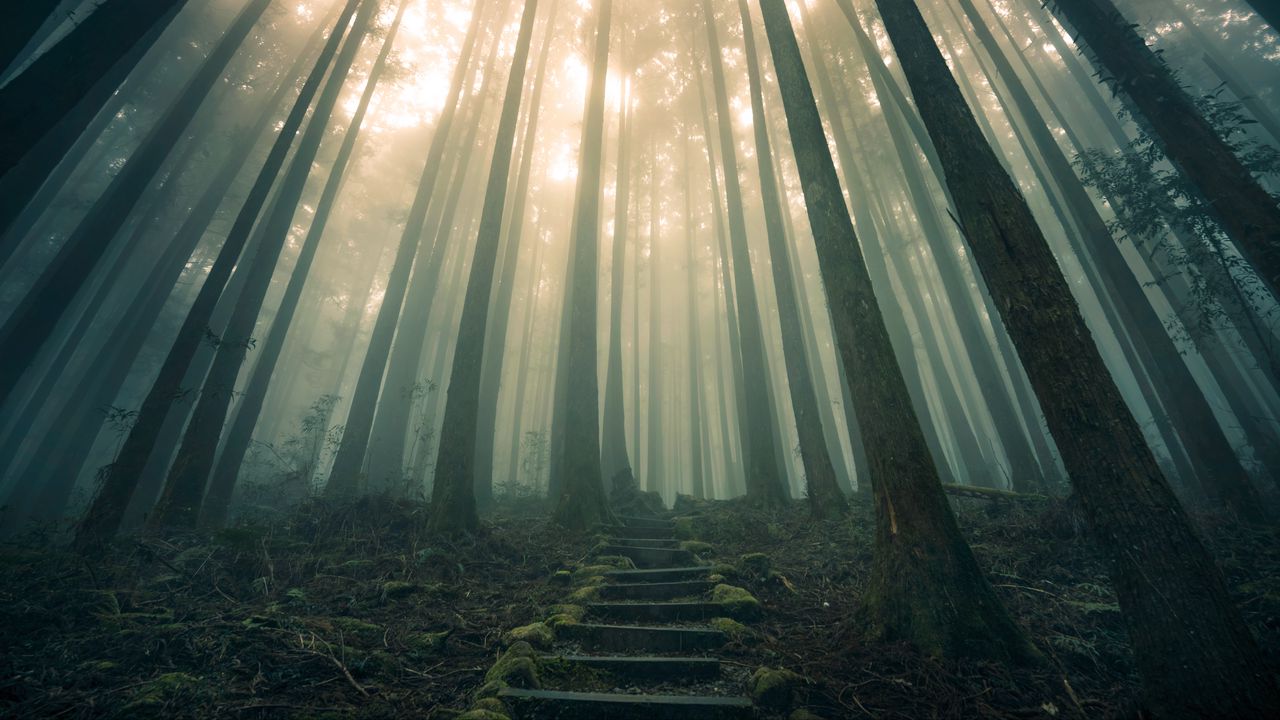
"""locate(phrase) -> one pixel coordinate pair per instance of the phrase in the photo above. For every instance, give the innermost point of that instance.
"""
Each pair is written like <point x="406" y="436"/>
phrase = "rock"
<point x="734" y="629"/>
<point x="755" y="564"/>
<point x="483" y="715"/>
<point x="517" y="667"/>
<point x="697" y="547"/>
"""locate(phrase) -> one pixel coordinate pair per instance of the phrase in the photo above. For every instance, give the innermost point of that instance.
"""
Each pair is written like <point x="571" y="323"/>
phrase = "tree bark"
<point x="925" y="583"/>
<point x="1193" y="650"/>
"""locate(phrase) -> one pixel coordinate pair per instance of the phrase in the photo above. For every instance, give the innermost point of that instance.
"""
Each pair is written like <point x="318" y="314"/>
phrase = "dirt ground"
<point x="354" y="612"/>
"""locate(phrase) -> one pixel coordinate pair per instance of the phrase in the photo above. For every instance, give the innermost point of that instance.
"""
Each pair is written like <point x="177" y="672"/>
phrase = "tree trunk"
<point x="236" y="446"/>
<point x="613" y="443"/>
<point x="1246" y="211"/>
<point x="582" y="503"/>
<point x="656" y="466"/>
<point x="453" y="502"/>
<point x="49" y="88"/>
<point x="20" y="27"/>
<point x="344" y="477"/>
<point x="1192" y="648"/>
<point x="825" y="498"/>
<point x="925" y="583"/>
<point x="103" y="518"/>
<point x="764" y="487"/>
<point x="31" y="324"/>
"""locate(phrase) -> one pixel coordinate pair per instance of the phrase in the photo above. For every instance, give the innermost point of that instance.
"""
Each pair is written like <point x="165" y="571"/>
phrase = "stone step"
<point x="632" y="638"/>
<point x="680" y="668"/>
<point x="624" y="531"/>
<point x="658" y="575"/>
<point x="655" y="590"/>
<point x="655" y="612"/>
<point x="545" y="704"/>
<point x="645" y="557"/>
<point x="645" y="542"/>
<point x="639" y="522"/>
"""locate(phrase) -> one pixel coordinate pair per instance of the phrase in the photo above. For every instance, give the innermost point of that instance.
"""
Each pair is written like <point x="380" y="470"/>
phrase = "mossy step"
<point x="658" y="575"/>
<point x="645" y="557"/>
<point x="680" y="668"/>
<point x="646" y="542"/>
<point x="624" y="638"/>
<point x="655" y="590"/>
<point x="624" y="531"/>
<point x="571" y="705"/>
<point x="655" y="612"/>
<point x="639" y="522"/>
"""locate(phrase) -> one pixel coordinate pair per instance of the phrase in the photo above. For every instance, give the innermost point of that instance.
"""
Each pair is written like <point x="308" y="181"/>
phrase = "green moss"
<point x="577" y="612"/>
<point x="490" y="704"/>
<point x="591" y="574"/>
<point x="716" y="578"/>
<point x="724" y="570"/>
<point x="537" y="634"/>
<point x="697" y="547"/>
<point x="562" y="577"/>
<point x="734" y="629"/>
<point x="426" y="644"/>
<point x="773" y="687"/>
<point x="517" y="667"/>
<point x="584" y="595"/>
<point x="393" y="589"/>
<point x="482" y="714"/>
<point x="684" y="528"/>
<point x="555" y="622"/>
<point x="756" y="564"/>
<point x="736" y="602"/>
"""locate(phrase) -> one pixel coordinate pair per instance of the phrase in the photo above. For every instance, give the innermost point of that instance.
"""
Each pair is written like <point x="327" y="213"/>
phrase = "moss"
<point x="734" y="629"/>
<point x="426" y="644"/>
<point x="716" y="578"/>
<point x="577" y="612"/>
<point x="482" y="714"/>
<point x="773" y="687"/>
<point x="684" y="528"/>
<point x="591" y="574"/>
<point x="724" y="570"/>
<point x="587" y="594"/>
<point x="393" y="589"/>
<point x="490" y="704"/>
<point x="755" y="564"/>
<point x="736" y="602"/>
<point x="562" y="577"/>
<point x="697" y="547"/>
<point x="536" y="634"/>
<point x="555" y="622"/>
<point x="803" y="714"/>
<point x="616" y="562"/>
<point x="517" y="667"/>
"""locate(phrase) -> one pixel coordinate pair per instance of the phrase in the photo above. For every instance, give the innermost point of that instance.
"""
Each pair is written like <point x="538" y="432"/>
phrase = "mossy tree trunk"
<point x="1193" y="650"/>
<point x="926" y="586"/>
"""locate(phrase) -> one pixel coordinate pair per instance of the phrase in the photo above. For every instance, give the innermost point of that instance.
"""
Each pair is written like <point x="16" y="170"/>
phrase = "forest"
<point x="678" y="359"/>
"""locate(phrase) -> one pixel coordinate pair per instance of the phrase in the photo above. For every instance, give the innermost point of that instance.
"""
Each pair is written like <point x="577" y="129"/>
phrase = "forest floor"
<point x="354" y="612"/>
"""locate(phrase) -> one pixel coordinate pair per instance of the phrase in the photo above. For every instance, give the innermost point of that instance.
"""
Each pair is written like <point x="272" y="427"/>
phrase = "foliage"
<point x="1167" y="220"/>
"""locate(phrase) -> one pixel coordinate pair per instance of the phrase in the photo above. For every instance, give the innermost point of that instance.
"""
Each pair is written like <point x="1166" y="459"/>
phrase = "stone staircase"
<point x="644" y="647"/>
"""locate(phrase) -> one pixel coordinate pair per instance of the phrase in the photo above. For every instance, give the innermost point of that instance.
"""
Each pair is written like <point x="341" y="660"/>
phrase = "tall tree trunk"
<point x="763" y="484"/>
<point x="31" y="324"/>
<point x="825" y="498"/>
<point x="103" y="517"/>
<point x="925" y="583"/>
<point x="655" y="466"/>
<point x="1192" y="648"/>
<point x="1246" y="211"/>
<point x="1223" y="475"/>
<point x="697" y="446"/>
<point x="582" y="503"/>
<point x="20" y="27"/>
<point x="453" y="502"/>
<point x="344" y="477"/>
<point x="613" y="443"/>
<point x="236" y="446"/>
<point x="49" y="88"/>
<point x="496" y="341"/>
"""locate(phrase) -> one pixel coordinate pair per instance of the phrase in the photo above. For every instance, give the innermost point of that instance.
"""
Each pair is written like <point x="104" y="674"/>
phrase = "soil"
<point x="354" y="611"/>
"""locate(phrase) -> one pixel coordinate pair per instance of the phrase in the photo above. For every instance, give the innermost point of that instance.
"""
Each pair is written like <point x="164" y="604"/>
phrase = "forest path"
<point x="643" y="646"/>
